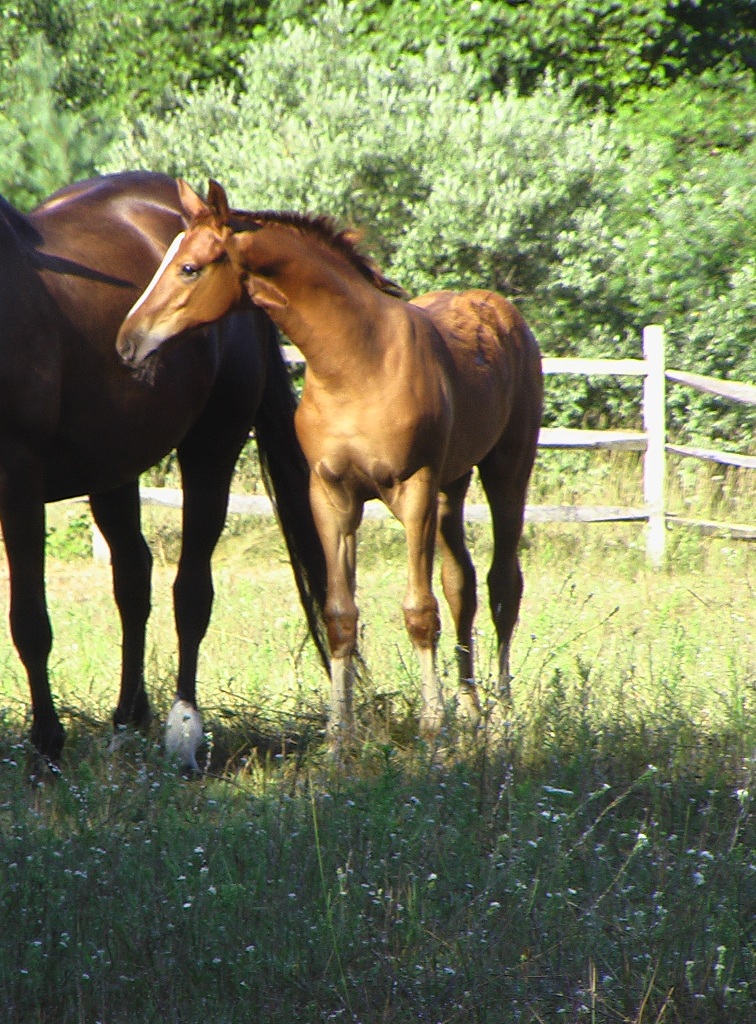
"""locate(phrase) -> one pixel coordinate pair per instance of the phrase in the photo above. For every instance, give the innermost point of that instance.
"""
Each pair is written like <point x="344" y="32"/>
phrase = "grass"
<point x="596" y="865"/>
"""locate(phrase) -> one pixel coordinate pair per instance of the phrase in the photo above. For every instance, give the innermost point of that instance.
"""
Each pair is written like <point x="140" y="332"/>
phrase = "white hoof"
<point x="183" y="734"/>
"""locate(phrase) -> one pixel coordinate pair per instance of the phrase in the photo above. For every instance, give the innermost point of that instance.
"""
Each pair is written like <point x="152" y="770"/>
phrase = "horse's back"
<point x="493" y="370"/>
<point x="478" y="321"/>
<point x="112" y="189"/>
<point x="117" y="221"/>
<point x="29" y="337"/>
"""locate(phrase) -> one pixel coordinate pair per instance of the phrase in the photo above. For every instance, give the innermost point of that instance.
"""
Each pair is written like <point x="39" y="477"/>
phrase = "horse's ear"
<point x="217" y="201"/>
<point x="191" y="204"/>
<point x="264" y="293"/>
<point x="353" y="236"/>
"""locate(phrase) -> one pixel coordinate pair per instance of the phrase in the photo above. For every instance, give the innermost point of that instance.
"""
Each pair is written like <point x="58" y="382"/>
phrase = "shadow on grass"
<point x="556" y="875"/>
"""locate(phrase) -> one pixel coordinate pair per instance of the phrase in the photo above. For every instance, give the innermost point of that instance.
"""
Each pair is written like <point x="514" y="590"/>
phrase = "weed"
<point x="596" y="863"/>
<point x="71" y="537"/>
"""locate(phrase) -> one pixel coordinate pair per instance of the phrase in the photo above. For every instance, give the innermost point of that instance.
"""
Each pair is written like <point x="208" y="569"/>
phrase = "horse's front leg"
<point x="337" y="515"/>
<point x="417" y="508"/>
<point x="207" y="458"/>
<point x="22" y="513"/>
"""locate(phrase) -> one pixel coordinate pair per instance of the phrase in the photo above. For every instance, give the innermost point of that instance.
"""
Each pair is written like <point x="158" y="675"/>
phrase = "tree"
<point x="131" y="55"/>
<point x="608" y="50"/>
<point x="595" y="225"/>
<point x="42" y="148"/>
<point x="686" y="223"/>
<point x="137" y="55"/>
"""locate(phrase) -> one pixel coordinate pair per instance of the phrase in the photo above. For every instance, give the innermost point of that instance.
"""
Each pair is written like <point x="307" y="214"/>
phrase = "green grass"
<point x="596" y="865"/>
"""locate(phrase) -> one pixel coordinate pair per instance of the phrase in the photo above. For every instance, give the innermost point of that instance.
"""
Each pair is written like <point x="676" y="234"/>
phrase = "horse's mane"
<point x="325" y="229"/>
<point x="23" y="229"/>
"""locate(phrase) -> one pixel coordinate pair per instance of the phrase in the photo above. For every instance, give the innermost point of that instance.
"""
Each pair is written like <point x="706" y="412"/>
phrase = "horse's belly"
<point x="479" y="420"/>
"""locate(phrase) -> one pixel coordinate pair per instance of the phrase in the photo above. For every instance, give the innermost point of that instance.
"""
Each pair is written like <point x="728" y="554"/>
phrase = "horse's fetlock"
<point x="342" y="633"/>
<point x="423" y="625"/>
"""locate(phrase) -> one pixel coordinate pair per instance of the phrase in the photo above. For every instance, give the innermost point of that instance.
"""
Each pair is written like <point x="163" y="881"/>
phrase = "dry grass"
<point x="596" y="865"/>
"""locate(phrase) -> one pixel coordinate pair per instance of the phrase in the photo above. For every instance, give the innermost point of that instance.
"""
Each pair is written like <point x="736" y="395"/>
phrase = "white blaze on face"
<point x="172" y="249"/>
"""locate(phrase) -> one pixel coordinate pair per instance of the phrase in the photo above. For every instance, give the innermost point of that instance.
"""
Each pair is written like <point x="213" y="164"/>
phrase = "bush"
<point x="42" y="147"/>
<point x="595" y="227"/>
<point x="503" y="192"/>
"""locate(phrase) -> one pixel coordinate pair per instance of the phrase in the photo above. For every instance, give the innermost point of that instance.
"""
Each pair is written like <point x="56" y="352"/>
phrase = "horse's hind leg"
<point x="458" y="581"/>
<point x="118" y="516"/>
<point x="505" y="480"/>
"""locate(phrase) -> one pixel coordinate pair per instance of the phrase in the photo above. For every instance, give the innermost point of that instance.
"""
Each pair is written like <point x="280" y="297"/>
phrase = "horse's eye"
<point x="189" y="270"/>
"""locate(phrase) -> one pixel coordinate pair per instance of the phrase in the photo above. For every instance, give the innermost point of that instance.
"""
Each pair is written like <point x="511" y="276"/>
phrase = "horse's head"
<point x="198" y="281"/>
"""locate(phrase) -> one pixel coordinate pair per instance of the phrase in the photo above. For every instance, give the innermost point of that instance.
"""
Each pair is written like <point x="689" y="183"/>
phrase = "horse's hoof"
<point x="341" y="741"/>
<point x="183" y="735"/>
<point x="42" y="771"/>
<point x="468" y="711"/>
<point x="48" y="737"/>
<point x="137" y="713"/>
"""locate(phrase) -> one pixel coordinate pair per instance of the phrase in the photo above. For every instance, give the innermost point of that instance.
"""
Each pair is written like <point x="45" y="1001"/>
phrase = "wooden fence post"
<point x="654" y="468"/>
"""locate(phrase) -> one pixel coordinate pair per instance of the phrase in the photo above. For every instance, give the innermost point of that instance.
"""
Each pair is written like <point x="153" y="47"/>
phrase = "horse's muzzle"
<point x="132" y="346"/>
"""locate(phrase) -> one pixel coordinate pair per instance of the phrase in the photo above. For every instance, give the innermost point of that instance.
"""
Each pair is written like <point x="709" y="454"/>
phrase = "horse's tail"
<point x="286" y="476"/>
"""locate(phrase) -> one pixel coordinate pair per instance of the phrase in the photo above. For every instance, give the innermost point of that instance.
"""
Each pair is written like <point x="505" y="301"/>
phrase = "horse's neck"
<point x="331" y="318"/>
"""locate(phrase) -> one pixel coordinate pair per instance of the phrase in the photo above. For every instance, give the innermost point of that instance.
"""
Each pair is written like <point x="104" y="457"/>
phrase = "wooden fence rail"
<point x="651" y="441"/>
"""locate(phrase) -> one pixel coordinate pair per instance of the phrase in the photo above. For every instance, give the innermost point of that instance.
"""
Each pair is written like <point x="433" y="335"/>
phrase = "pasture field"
<point x="596" y="863"/>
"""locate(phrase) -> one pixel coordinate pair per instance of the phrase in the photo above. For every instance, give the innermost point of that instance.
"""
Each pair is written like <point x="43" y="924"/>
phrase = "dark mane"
<point x="325" y="229"/>
<point x="24" y="231"/>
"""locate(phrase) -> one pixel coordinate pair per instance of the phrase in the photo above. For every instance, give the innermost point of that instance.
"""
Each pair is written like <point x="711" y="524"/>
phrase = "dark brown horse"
<point x="401" y="401"/>
<point x="75" y="421"/>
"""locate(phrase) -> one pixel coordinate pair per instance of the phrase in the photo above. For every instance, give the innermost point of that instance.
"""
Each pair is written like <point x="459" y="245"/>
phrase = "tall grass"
<point x="596" y="864"/>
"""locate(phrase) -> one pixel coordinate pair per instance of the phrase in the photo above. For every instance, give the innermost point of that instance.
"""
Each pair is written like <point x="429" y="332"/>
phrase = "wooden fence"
<point x="652" y="373"/>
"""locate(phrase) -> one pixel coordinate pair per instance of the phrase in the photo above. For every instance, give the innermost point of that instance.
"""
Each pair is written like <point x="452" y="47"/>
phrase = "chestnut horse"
<point x="401" y="401"/>
<point x="75" y="421"/>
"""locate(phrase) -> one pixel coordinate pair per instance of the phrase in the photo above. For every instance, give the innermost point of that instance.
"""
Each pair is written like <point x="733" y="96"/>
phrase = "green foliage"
<point x="596" y="226"/>
<point x="603" y="49"/>
<point x="559" y="875"/>
<point x="391" y="29"/>
<point x="71" y="536"/>
<point x="686" y="226"/>
<point x="721" y="335"/>
<point x="42" y="147"/>
<point x="609" y="51"/>
<point x="136" y="54"/>
<point x="130" y="55"/>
